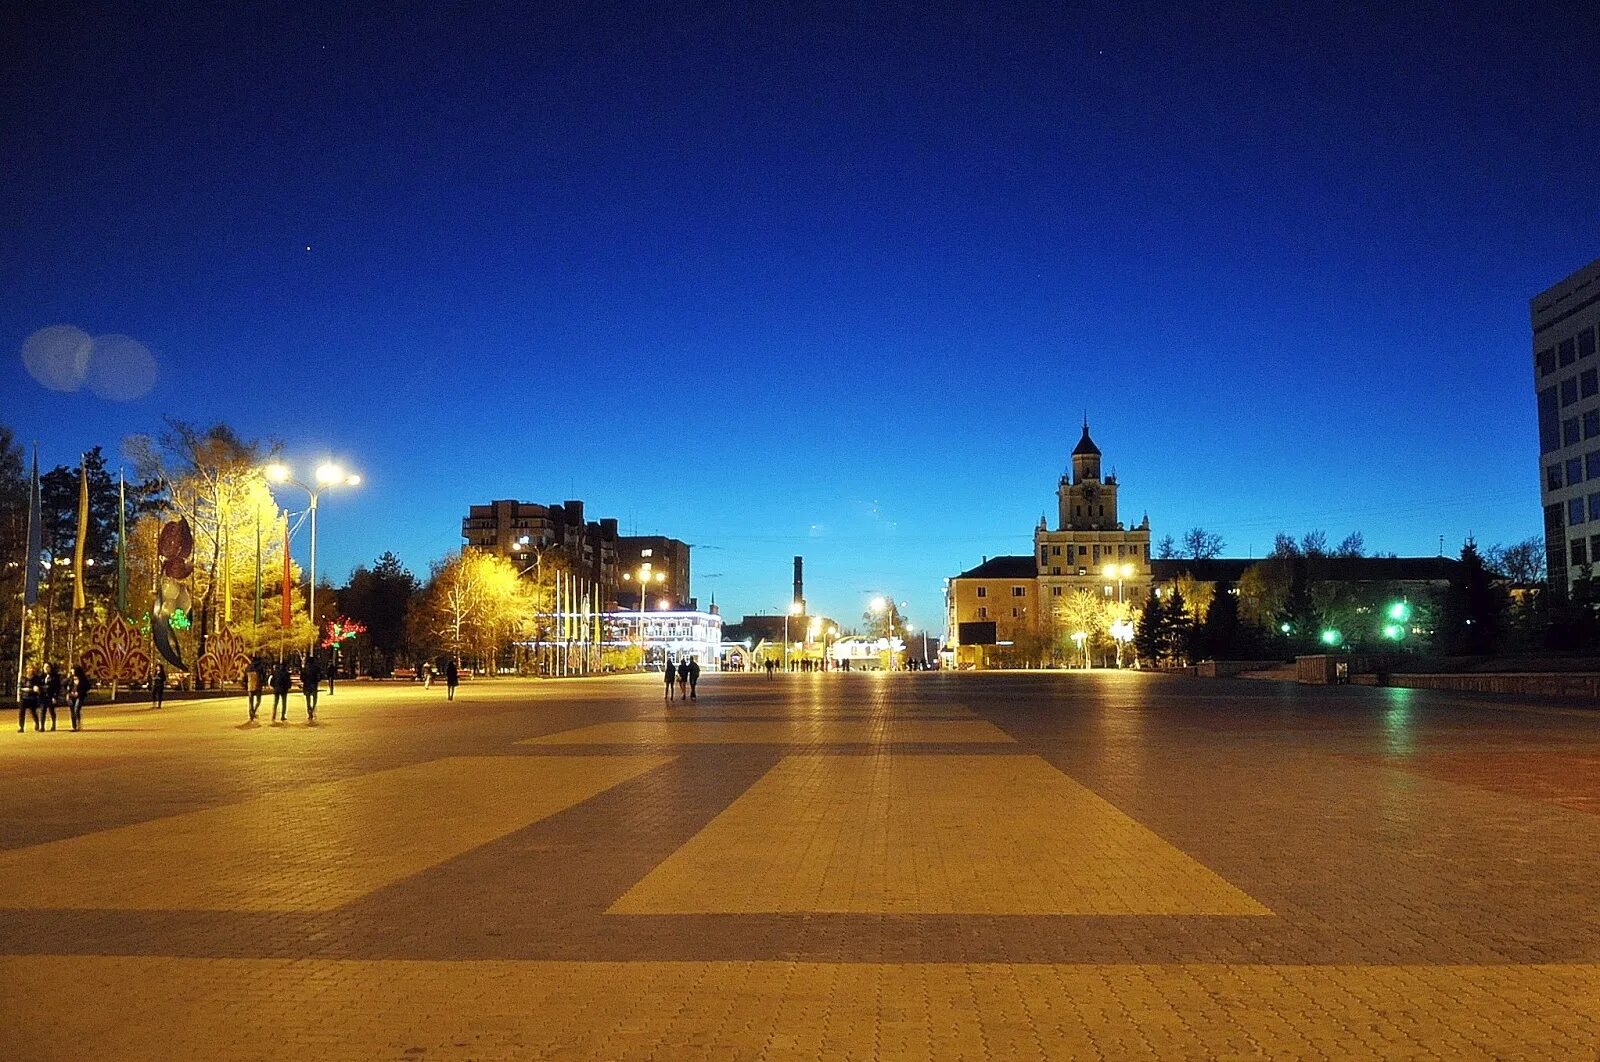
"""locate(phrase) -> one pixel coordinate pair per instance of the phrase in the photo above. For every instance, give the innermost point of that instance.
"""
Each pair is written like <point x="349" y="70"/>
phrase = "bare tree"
<point x="1520" y="562"/>
<point x="1314" y="543"/>
<point x="1200" y="544"/>
<point x="1284" y="545"/>
<point x="1352" y="545"/>
<point x="1166" y="549"/>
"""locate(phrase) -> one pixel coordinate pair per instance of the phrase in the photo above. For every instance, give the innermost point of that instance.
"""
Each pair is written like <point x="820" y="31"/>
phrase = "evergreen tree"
<point x="378" y="597"/>
<point x="1180" y="629"/>
<point x="1473" y="614"/>
<point x="1220" y="636"/>
<point x="1150" y="635"/>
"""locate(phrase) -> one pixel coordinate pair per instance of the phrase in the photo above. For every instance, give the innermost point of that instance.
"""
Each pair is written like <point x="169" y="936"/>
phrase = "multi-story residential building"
<point x="662" y="561"/>
<point x="1566" y="380"/>
<point x="523" y="531"/>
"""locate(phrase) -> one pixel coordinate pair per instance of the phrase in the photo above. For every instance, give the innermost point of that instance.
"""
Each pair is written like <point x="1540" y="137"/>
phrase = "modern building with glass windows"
<point x="1566" y="380"/>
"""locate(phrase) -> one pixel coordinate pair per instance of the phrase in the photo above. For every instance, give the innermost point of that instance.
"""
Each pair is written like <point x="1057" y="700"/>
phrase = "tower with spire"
<point x="1089" y="548"/>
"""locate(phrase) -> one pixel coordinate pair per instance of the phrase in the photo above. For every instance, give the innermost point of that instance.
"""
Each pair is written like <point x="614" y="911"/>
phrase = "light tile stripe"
<point x="799" y="731"/>
<point x="310" y="849"/>
<point x="918" y="834"/>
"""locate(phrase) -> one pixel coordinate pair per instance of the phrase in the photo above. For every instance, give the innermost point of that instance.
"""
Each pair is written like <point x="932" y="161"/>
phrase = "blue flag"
<point x="30" y="583"/>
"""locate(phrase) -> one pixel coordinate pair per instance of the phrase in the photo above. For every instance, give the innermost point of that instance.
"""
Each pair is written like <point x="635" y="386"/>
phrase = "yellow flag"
<point x="78" y="600"/>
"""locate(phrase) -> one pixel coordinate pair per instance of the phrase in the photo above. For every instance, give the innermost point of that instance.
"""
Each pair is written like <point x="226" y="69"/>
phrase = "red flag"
<point x="284" y="618"/>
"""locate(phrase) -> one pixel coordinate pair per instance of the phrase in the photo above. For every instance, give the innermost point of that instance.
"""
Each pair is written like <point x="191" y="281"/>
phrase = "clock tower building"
<point x="1089" y="549"/>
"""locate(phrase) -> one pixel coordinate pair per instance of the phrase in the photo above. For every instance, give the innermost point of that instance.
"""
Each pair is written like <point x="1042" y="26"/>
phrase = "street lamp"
<point x="326" y="475"/>
<point x="644" y="576"/>
<point x="794" y="610"/>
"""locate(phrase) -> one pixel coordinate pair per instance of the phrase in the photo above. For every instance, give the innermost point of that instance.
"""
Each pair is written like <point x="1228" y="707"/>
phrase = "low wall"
<point x="1229" y="668"/>
<point x="1574" y="685"/>
<point x="1330" y="668"/>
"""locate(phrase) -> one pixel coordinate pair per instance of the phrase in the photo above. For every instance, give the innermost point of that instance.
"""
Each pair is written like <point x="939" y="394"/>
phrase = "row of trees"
<point x="1290" y="603"/>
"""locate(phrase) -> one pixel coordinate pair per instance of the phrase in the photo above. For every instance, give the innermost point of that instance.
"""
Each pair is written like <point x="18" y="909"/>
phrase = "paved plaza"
<point x="1033" y="865"/>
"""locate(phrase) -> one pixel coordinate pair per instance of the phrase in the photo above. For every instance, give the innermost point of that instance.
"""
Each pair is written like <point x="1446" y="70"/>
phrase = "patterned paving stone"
<point x="1427" y="864"/>
<point x="909" y="834"/>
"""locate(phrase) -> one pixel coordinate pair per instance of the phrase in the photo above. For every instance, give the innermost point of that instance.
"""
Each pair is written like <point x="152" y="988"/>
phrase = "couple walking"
<point x="687" y="675"/>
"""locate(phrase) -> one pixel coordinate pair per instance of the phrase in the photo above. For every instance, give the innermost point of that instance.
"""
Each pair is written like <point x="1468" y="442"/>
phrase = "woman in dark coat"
<point x="452" y="676"/>
<point x="310" y="682"/>
<point x="280" y="690"/>
<point x="672" y="676"/>
<point x="32" y="694"/>
<point x="77" y="694"/>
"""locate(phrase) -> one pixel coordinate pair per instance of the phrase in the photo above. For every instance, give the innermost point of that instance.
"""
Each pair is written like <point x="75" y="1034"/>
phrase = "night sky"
<point x="823" y="280"/>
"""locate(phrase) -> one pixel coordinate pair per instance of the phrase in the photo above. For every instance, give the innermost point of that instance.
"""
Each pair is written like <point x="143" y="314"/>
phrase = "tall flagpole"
<point x="30" y="575"/>
<point x="79" y="598"/>
<point x="257" y="616"/>
<point x="122" y="546"/>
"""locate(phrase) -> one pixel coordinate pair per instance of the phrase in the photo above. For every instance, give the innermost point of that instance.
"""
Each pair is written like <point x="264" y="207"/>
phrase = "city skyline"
<point x="842" y="288"/>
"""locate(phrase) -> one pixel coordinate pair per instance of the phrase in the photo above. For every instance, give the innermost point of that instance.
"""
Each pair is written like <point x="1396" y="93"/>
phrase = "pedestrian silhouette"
<point x="255" y="677"/>
<point x="452" y="677"/>
<point x="310" y="680"/>
<point x="77" y="693"/>
<point x="158" y="686"/>
<point x="280" y="690"/>
<point x="694" y="674"/>
<point x="32" y="694"/>
<point x="671" y="676"/>
<point x="52" y="694"/>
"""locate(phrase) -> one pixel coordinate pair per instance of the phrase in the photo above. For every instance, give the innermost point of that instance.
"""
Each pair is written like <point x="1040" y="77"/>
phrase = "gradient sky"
<point x="835" y="281"/>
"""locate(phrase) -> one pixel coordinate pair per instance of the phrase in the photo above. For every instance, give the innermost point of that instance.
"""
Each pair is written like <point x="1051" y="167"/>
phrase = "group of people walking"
<point x="258" y="678"/>
<point x="687" y="675"/>
<point x="43" y="690"/>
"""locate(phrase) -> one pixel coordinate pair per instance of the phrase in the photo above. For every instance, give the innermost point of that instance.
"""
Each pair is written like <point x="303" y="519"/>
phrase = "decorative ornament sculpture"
<point x="175" y="550"/>
<point x="223" y="659"/>
<point x="116" y="653"/>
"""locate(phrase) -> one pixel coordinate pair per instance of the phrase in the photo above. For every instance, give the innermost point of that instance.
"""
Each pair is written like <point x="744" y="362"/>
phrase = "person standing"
<point x="427" y="675"/>
<point x="52" y="694"/>
<point x="254" y="678"/>
<point x="77" y="693"/>
<point x="32" y="693"/>
<point x="158" y="686"/>
<point x="280" y="690"/>
<point x="310" y="681"/>
<point x="672" y="674"/>
<point x="452" y="676"/>
<point x="694" y="675"/>
<point x="683" y="679"/>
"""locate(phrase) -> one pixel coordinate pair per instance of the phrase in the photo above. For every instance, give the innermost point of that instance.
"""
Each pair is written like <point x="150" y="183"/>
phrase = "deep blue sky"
<point x="831" y="281"/>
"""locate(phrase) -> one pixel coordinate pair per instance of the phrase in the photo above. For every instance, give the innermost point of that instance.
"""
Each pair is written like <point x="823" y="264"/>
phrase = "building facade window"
<point x="1589" y="383"/>
<point x="1549" y="421"/>
<point x="1574" y="512"/>
<point x="1547" y="361"/>
<point x="1586" y="343"/>
<point x="1569" y="431"/>
<point x="1552" y="478"/>
<point x="1580" y="553"/>
<point x="1591" y="464"/>
<point x="1569" y="391"/>
<point x="1019" y="591"/>
<point x="1565" y="352"/>
<point x="1574" y="471"/>
<point x="1055" y="591"/>
<point x="1591" y="424"/>
<point x="983" y="591"/>
<point x="1594" y="507"/>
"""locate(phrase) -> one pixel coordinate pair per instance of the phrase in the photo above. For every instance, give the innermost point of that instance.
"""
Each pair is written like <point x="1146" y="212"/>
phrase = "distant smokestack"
<point x="800" y="583"/>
